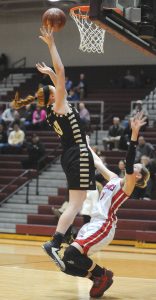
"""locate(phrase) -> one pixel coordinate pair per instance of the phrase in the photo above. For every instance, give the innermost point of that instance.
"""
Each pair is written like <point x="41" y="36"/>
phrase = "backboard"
<point x="133" y="22"/>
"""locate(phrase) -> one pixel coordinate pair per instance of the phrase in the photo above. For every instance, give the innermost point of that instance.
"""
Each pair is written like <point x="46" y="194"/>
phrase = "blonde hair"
<point x="17" y="102"/>
<point x="142" y="182"/>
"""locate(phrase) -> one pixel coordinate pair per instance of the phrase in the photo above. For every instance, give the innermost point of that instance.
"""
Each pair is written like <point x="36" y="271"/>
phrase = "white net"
<point x="91" y="35"/>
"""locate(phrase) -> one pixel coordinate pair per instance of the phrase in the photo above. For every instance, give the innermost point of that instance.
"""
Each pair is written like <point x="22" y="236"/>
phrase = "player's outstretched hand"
<point x="137" y="122"/>
<point x="43" y="68"/>
<point x="47" y="35"/>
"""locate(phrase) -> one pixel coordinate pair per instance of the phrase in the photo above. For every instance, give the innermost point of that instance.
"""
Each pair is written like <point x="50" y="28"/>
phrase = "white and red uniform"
<point x="100" y="230"/>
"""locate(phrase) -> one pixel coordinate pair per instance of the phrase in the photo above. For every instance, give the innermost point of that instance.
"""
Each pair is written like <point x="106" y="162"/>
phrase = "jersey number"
<point x="57" y="128"/>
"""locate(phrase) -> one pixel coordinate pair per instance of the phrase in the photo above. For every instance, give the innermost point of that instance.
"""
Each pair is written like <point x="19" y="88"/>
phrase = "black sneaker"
<point x="53" y="253"/>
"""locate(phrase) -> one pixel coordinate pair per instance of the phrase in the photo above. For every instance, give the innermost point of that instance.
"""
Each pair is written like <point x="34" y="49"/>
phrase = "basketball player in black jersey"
<point x="77" y="159"/>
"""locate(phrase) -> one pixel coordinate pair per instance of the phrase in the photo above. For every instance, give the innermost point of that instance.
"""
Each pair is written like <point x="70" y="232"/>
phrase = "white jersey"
<point x="100" y="231"/>
<point x="111" y="197"/>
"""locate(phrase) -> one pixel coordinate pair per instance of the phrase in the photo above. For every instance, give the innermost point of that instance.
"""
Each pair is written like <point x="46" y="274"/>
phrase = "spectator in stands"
<point x="144" y="148"/>
<point x="3" y="62"/>
<point x="3" y="138"/>
<point x="39" y="117"/>
<point x="8" y="115"/>
<point x="28" y="115"/>
<point x="139" y="107"/>
<point x="150" y="164"/>
<point x="114" y="134"/>
<point x="36" y="151"/>
<point x="17" y="120"/>
<point x="16" y="137"/>
<point x="68" y="84"/>
<point x="73" y="95"/>
<point x="129" y="80"/>
<point x="2" y="108"/>
<point x="120" y="170"/>
<point x="82" y="87"/>
<point x="85" y="116"/>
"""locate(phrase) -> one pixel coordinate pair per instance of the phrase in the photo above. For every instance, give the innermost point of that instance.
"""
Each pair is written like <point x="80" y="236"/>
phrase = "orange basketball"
<point x="55" y="18"/>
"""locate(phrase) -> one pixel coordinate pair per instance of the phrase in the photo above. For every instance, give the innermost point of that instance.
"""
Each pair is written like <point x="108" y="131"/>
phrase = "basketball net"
<point x="91" y="35"/>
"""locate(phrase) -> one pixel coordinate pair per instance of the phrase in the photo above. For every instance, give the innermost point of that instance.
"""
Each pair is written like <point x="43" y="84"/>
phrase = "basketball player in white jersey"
<point x="100" y="231"/>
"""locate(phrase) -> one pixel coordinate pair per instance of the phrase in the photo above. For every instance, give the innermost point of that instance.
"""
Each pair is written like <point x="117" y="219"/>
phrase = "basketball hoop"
<point x="91" y="35"/>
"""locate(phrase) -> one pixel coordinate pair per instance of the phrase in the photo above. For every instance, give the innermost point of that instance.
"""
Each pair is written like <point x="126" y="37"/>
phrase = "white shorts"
<point x="95" y="235"/>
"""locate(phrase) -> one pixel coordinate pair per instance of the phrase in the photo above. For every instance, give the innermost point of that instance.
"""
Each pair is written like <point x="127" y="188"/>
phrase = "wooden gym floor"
<point x="27" y="273"/>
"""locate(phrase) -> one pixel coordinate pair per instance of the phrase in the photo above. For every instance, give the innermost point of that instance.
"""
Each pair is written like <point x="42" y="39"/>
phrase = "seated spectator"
<point x="139" y="107"/>
<point x="2" y="108"/>
<point x="73" y="95"/>
<point x="150" y="164"/>
<point x="3" y="138"/>
<point x="28" y="115"/>
<point x="120" y="170"/>
<point x="114" y="134"/>
<point x="82" y="87"/>
<point x="17" y="120"/>
<point x="144" y="148"/>
<point x="39" y="117"/>
<point x="84" y="116"/>
<point x="68" y="84"/>
<point x="36" y="151"/>
<point x="8" y="115"/>
<point x="16" y="137"/>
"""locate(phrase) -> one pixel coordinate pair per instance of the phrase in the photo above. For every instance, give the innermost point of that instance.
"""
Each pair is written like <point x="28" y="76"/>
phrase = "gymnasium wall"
<point x="19" y="38"/>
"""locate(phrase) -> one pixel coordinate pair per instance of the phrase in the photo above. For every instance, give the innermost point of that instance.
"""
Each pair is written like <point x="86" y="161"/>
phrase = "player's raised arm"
<point x="105" y="172"/>
<point x="48" y="38"/>
<point x="133" y="172"/>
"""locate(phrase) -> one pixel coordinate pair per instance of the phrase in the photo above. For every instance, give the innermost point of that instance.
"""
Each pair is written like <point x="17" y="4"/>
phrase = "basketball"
<point x="55" y="18"/>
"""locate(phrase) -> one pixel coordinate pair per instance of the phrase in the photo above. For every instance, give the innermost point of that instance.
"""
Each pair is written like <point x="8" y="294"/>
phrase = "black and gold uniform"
<point x="77" y="161"/>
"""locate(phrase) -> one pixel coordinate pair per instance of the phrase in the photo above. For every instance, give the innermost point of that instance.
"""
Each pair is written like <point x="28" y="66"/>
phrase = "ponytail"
<point x="18" y="103"/>
<point x="42" y="97"/>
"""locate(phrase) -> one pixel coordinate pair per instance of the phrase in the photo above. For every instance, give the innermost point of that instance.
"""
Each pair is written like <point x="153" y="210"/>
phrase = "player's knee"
<point x="71" y="254"/>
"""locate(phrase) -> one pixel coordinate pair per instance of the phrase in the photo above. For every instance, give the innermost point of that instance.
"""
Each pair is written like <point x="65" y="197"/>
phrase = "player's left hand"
<point x="137" y="122"/>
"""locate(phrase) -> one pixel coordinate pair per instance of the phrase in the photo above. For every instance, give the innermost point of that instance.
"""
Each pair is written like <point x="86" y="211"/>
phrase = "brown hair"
<point x="17" y="102"/>
<point x="142" y="182"/>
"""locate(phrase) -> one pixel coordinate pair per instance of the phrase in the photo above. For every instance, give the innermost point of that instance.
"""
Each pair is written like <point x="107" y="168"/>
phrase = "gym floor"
<point x="27" y="273"/>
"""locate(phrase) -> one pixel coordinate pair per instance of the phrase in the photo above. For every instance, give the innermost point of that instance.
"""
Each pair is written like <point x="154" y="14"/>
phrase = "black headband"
<point x="46" y="92"/>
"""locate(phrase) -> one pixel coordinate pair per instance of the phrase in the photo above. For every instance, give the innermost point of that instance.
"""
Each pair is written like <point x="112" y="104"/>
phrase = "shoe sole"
<point x="56" y="259"/>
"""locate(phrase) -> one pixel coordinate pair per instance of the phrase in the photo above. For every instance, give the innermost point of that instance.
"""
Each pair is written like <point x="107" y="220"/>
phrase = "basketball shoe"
<point x="101" y="284"/>
<point x="51" y="249"/>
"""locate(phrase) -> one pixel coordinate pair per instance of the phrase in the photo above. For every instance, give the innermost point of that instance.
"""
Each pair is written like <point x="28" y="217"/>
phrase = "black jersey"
<point x="76" y="160"/>
<point x="68" y="126"/>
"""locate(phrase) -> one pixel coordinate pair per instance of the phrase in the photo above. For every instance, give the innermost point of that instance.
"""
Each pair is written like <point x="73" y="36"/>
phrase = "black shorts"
<point x="78" y="165"/>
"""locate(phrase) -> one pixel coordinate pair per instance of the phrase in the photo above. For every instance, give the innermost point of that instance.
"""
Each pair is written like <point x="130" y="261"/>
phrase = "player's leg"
<point x="76" y="198"/>
<point x="78" y="264"/>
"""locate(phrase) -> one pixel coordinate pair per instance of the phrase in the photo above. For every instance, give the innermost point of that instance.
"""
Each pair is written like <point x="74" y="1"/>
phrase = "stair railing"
<point x="19" y="188"/>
